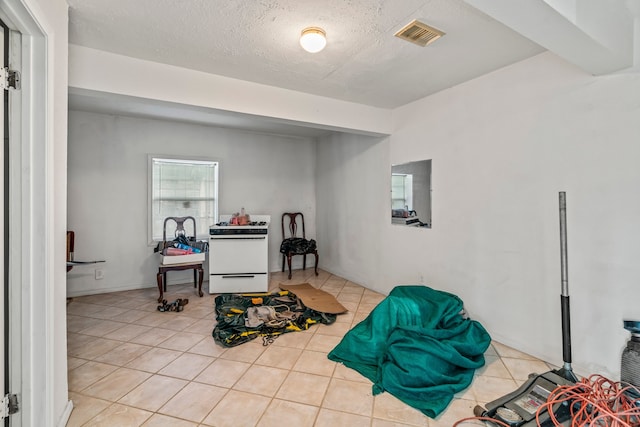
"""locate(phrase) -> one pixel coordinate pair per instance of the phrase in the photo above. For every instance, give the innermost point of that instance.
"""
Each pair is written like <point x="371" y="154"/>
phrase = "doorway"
<point x="28" y="237"/>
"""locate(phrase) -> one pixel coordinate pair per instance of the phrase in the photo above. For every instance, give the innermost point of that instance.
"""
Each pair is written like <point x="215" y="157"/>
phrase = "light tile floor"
<point x="131" y="365"/>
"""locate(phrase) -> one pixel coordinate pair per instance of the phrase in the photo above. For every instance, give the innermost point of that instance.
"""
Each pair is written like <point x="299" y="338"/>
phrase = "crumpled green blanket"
<point x="417" y="344"/>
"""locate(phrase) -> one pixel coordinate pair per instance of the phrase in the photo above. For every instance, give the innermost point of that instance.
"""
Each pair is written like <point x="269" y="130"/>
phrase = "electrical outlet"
<point x="99" y="274"/>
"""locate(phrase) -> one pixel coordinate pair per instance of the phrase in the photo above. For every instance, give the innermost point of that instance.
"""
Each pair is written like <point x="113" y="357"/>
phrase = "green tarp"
<point x="418" y="345"/>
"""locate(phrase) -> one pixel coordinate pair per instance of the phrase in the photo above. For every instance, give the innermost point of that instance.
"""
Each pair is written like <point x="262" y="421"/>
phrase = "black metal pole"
<point x="566" y="371"/>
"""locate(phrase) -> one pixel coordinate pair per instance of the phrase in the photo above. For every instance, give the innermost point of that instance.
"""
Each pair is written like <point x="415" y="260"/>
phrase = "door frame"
<point x="31" y="270"/>
<point x="4" y="216"/>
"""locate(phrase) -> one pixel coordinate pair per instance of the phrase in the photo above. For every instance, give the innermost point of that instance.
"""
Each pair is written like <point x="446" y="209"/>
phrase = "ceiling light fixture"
<point x="313" y="39"/>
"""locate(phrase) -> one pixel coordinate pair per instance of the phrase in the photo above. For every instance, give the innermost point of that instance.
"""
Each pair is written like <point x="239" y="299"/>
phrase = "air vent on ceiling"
<point x="419" y="33"/>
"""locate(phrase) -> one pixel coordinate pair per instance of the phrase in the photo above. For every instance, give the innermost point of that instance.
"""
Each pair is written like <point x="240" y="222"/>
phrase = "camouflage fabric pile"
<point x="245" y="317"/>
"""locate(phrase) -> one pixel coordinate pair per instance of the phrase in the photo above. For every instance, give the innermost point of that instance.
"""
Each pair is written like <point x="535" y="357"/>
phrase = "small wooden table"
<point x="198" y="274"/>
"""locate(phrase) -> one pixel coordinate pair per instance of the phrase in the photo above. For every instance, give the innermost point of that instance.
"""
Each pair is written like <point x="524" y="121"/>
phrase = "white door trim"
<point x="4" y="372"/>
<point x="31" y="215"/>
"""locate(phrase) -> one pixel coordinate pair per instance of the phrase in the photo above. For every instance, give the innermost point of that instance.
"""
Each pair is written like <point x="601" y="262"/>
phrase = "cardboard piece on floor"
<point x="315" y="299"/>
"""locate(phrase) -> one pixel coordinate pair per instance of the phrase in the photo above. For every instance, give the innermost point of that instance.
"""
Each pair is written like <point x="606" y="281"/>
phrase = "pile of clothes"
<point x="245" y="317"/>
<point x="182" y="245"/>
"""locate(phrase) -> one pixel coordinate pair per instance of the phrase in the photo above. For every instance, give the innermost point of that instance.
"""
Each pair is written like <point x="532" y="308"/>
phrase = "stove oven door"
<point x="238" y="263"/>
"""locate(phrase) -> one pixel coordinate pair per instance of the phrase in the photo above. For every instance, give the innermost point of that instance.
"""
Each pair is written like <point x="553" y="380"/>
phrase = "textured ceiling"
<point x="257" y="40"/>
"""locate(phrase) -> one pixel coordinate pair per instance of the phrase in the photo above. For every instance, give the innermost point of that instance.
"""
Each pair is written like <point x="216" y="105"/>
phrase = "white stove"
<point x="239" y="256"/>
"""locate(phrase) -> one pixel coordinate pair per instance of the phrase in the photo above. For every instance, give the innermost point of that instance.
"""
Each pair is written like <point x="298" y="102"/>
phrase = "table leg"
<point x="200" y="277"/>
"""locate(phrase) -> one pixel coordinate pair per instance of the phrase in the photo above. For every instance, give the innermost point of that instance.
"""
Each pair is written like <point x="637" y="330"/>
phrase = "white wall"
<point x="107" y="184"/>
<point x="503" y="146"/>
<point x="353" y="206"/>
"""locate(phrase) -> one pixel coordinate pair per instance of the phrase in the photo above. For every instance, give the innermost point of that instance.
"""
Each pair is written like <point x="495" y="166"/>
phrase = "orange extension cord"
<point x="594" y="401"/>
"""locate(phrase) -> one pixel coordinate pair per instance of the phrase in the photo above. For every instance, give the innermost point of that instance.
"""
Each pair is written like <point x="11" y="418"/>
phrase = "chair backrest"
<point x="179" y="220"/>
<point x="290" y="224"/>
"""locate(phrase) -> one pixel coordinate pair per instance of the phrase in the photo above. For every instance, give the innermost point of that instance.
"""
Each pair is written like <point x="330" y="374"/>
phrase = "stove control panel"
<point x="235" y="230"/>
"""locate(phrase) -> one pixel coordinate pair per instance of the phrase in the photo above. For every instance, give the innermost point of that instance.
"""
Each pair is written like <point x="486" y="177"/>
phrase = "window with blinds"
<point x="182" y="187"/>
<point x="401" y="191"/>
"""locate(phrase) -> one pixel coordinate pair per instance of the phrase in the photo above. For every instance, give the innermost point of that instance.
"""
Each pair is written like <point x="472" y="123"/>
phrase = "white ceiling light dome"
<point x="313" y="39"/>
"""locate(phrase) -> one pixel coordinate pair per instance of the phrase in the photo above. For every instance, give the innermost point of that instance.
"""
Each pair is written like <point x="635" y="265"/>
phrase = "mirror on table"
<point x="411" y="194"/>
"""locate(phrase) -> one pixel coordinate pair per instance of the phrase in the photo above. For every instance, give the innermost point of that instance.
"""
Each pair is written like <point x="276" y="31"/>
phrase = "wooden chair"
<point x="71" y="237"/>
<point x="198" y="272"/>
<point x="292" y="244"/>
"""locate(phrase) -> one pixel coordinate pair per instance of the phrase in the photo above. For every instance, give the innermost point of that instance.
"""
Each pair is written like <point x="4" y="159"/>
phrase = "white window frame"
<point x="407" y="196"/>
<point x="202" y="229"/>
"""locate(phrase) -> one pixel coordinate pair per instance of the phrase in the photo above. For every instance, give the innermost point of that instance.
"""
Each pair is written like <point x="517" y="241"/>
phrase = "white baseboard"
<point x="64" y="418"/>
<point x="84" y="292"/>
<point x="79" y="293"/>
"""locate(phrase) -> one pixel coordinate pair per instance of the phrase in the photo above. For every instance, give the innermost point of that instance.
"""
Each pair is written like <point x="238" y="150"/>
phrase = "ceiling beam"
<point x="595" y="35"/>
<point x="95" y="71"/>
